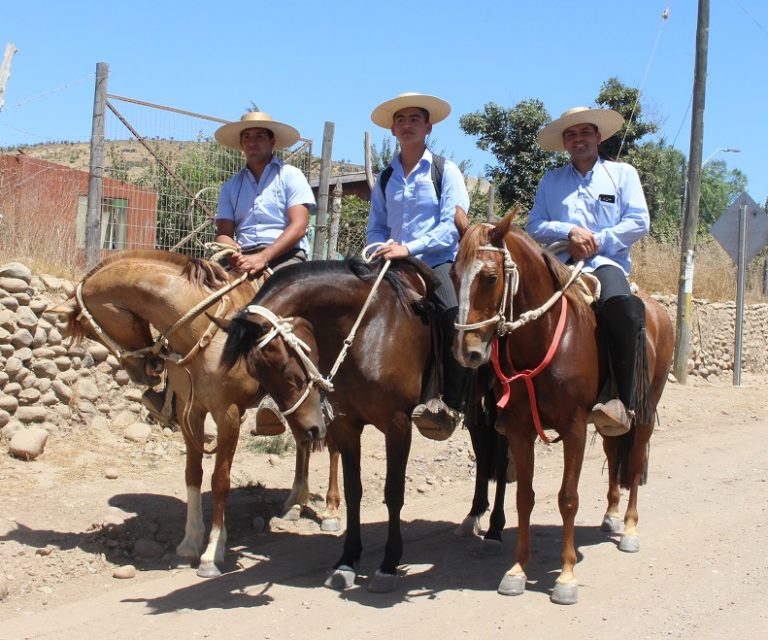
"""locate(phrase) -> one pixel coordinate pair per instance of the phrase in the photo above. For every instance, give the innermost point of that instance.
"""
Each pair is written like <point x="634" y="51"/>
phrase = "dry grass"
<point x="656" y="268"/>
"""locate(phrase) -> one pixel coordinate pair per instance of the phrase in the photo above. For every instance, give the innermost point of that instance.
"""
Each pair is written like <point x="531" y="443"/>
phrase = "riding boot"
<point x="438" y="417"/>
<point x="269" y="420"/>
<point x="621" y="320"/>
<point x="161" y="405"/>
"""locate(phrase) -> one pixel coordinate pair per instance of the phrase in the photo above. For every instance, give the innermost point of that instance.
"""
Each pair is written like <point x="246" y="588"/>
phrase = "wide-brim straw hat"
<point x="229" y="134"/>
<point x="607" y="122"/>
<point x="438" y="108"/>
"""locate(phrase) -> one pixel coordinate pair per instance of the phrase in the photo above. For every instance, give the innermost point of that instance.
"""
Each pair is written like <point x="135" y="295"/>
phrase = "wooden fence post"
<point x="96" y="170"/>
<point x="321" y="223"/>
<point x="333" y="236"/>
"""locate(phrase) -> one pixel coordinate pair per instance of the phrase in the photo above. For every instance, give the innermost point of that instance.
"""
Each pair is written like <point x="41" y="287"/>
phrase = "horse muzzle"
<point x="471" y="351"/>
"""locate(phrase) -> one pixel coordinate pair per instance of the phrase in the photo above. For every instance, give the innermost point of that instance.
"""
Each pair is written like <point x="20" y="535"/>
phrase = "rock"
<point x="30" y="414"/>
<point x="126" y="572"/>
<point x="5" y="417"/>
<point x="138" y="432"/>
<point x="13" y="285"/>
<point x="8" y="320"/>
<point x="29" y="397"/>
<point x="12" y="367"/>
<point x="111" y="473"/>
<point x="62" y="390"/>
<point x="87" y="390"/>
<point x="121" y="377"/>
<point x="125" y="418"/>
<point x="22" y="338"/>
<point x="5" y="587"/>
<point x="98" y="352"/>
<point x="8" y="403"/>
<point x="26" y="318"/>
<point x="10" y="303"/>
<point x="16" y="270"/>
<point x="28" y="444"/>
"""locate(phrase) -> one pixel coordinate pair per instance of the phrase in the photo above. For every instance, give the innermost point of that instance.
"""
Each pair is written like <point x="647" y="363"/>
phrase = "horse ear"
<point x="461" y="221"/>
<point x="221" y="323"/>
<point x="500" y="229"/>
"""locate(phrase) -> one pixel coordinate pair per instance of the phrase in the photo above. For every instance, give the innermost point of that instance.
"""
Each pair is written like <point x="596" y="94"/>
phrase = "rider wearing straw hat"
<point x="264" y="209"/>
<point x="600" y="207"/>
<point x="408" y="211"/>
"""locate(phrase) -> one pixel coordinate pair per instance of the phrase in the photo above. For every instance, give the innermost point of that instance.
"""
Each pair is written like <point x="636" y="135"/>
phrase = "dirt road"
<point x="699" y="574"/>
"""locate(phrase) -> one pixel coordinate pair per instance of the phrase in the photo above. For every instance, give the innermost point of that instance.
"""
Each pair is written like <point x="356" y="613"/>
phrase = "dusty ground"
<point x="699" y="574"/>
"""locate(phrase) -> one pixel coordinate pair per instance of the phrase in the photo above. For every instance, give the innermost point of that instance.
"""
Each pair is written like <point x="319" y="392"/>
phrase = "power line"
<point x="50" y="92"/>
<point x="751" y="17"/>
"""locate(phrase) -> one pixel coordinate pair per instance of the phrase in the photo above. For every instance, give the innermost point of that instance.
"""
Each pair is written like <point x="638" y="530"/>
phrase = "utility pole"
<point x="96" y="170"/>
<point x="691" y="220"/>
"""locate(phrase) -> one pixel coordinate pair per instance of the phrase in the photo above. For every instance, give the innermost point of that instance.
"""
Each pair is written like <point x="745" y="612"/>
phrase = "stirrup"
<point x="269" y="419"/>
<point x="160" y="405"/>
<point x="610" y="419"/>
<point x="435" y="419"/>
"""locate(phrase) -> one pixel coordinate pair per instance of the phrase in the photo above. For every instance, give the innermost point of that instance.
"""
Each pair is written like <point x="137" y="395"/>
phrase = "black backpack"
<point x="438" y="164"/>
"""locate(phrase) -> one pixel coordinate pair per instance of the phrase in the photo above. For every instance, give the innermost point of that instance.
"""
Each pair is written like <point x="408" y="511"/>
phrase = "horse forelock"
<point x="474" y="238"/>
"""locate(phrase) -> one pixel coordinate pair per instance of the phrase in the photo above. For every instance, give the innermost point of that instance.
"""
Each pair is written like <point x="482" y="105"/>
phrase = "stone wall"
<point x="48" y="384"/>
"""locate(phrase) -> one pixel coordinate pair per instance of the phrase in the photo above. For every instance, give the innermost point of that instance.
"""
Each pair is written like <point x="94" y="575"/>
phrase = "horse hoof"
<point x="382" y="582"/>
<point x="208" y="570"/>
<point x="330" y="524"/>
<point x="512" y="585"/>
<point x="629" y="544"/>
<point x="341" y="578"/>
<point x="491" y="547"/>
<point x="565" y="592"/>
<point x="611" y="524"/>
<point x="468" y="528"/>
<point x="292" y="514"/>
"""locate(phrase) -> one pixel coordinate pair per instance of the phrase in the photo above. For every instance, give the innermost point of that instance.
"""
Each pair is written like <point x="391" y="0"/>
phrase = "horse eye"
<point x="492" y="279"/>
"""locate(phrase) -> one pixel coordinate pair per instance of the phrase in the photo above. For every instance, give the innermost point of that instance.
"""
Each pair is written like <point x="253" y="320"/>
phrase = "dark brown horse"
<point x="130" y="294"/>
<point x="510" y="305"/>
<point x="298" y="325"/>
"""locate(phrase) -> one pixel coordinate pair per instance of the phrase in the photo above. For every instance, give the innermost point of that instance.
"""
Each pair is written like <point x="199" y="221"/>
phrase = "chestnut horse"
<point x="133" y="293"/>
<point x="517" y="310"/>
<point x="314" y="317"/>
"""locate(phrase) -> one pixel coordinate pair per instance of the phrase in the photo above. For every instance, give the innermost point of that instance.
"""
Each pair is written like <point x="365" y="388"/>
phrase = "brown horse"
<point x="300" y="323"/>
<point x="133" y="293"/>
<point x="511" y="303"/>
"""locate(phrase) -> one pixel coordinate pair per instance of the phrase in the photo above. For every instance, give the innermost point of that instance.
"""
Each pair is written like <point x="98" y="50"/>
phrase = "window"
<point x="114" y="222"/>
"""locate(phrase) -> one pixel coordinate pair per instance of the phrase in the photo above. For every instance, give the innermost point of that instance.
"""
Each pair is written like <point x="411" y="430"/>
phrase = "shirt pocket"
<point x="425" y="191"/>
<point x="606" y="213"/>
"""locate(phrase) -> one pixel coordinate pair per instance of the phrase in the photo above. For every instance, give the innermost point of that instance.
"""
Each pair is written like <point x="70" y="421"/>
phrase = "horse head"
<point x="120" y="331"/>
<point x="482" y="283"/>
<point x="282" y="355"/>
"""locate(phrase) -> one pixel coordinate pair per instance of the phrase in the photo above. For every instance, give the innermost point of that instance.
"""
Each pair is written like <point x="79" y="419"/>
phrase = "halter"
<point x="511" y="286"/>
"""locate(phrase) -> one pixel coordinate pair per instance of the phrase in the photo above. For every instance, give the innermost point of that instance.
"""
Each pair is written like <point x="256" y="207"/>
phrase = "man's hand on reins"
<point x="252" y="263"/>
<point x="583" y="243"/>
<point x="392" y="251"/>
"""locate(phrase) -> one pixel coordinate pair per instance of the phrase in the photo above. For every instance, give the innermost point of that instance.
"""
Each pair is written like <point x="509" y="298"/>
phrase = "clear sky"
<point x="308" y="62"/>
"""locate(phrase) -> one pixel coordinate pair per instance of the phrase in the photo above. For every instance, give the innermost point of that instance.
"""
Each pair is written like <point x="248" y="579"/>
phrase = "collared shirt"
<point x="608" y="200"/>
<point x="259" y="208"/>
<point x="411" y="214"/>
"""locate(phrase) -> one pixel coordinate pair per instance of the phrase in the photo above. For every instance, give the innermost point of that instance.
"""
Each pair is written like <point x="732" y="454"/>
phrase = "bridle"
<point x="503" y="317"/>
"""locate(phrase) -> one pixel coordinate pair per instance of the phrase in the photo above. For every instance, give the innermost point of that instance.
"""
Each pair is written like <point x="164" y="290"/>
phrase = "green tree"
<point x="719" y="189"/>
<point x="510" y="135"/>
<point x="625" y="100"/>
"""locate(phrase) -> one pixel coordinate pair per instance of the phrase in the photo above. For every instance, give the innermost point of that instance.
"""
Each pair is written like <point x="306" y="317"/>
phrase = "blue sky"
<point x="310" y="62"/>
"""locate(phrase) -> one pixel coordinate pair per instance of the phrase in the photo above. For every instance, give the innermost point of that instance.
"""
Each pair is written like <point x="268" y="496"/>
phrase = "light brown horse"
<point x="509" y="286"/>
<point x="132" y="294"/>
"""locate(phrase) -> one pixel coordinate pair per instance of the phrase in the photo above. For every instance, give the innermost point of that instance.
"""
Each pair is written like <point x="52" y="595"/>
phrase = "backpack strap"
<point x="436" y="173"/>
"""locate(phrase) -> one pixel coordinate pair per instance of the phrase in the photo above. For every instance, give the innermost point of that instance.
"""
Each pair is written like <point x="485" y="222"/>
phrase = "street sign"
<point x="726" y="229"/>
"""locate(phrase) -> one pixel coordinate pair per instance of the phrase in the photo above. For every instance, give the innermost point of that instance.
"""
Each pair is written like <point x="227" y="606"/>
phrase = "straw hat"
<point x="607" y="122"/>
<point x="229" y="134"/>
<point x="437" y="107"/>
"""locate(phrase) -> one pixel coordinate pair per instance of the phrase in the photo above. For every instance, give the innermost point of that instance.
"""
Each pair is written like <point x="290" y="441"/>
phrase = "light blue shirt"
<point x="608" y="200"/>
<point x="259" y="209"/>
<point x="411" y="214"/>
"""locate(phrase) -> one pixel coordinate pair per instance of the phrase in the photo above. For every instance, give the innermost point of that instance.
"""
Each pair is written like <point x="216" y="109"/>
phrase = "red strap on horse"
<point x="527" y="375"/>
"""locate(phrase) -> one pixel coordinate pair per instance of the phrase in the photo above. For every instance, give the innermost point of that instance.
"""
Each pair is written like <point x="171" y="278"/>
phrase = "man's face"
<point x="257" y="144"/>
<point x="410" y="125"/>
<point x="581" y="140"/>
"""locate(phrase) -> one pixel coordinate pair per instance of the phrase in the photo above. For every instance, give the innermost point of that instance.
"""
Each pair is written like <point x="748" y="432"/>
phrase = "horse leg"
<point x="330" y="517"/>
<point x="480" y="438"/>
<point x="612" y="520"/>
<point x="190" y="548"/>
<point x="492" y="543"/>
<point x="521" y="448"/>
<point x="398" y="445"/>
<point x="300" y="490"/>
<point x="228" y="428"/>
<point x="347" y="437"/>
<point x="638" y="463"/>
<point x="566" y="586"/>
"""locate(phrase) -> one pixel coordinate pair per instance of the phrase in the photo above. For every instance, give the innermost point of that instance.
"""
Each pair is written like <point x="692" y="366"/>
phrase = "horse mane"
<point x="199" y="272"/>
<point x="397" y="275"/>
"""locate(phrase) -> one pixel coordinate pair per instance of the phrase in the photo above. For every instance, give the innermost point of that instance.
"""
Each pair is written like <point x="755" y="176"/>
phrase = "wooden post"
<point x="96" y="171"/>
<point x="491" y="216"/>
<point x="321" y="224"/>
<point x="369" y="177"/>
<point x="691" y="221"/>
<point x="333" y="236"/>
